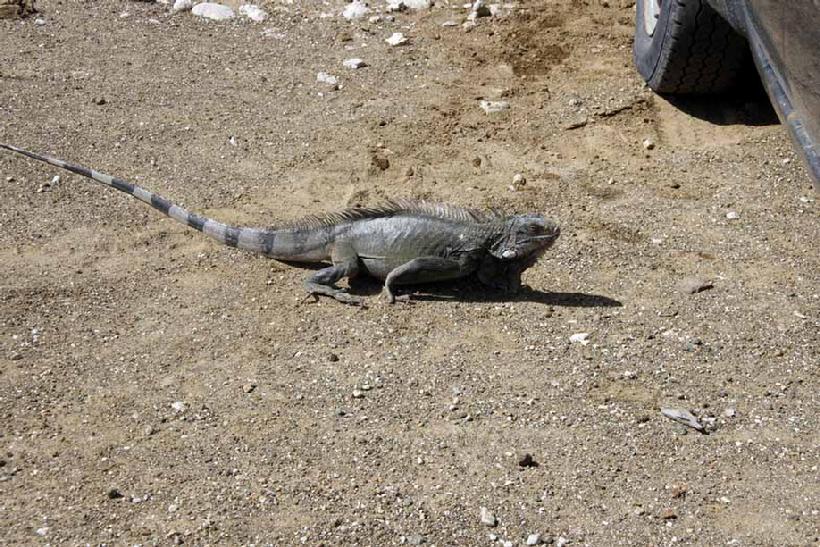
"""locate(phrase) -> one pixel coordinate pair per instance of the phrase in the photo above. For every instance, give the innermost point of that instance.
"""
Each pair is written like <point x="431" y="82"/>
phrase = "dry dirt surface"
<point x="157" y="388"/>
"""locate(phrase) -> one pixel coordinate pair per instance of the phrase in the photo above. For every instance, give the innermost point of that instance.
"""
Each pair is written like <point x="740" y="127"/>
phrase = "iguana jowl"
<point x="402" y="242"/>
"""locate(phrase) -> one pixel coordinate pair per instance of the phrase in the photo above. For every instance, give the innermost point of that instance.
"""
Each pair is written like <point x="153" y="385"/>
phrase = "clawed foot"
<point x="392" y="298"/>
<point x="347" y="298"/>
<point x="340" y="295"/>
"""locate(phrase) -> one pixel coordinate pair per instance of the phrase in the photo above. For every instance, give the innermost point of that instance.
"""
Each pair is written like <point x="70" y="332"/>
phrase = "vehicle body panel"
<point x="785" y="41"/>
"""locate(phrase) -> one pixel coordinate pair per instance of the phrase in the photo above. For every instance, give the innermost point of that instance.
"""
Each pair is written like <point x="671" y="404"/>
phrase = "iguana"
<point x="402" y="242"/>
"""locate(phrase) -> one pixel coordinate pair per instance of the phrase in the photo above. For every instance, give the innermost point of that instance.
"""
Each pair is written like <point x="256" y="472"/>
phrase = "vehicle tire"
<point x="686" y="47"/>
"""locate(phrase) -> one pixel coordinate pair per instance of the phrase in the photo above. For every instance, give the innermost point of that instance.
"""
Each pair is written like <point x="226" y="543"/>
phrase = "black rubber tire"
<point x="692" y="50"/>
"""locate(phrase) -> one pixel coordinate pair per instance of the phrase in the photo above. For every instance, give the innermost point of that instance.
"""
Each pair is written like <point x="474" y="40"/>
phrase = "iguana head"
<point x="524" y="239"/>
<point x="524" y="236"/>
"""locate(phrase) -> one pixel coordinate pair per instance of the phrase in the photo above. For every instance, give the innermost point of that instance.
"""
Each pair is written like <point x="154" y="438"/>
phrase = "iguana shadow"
<point x="473" y="291"/>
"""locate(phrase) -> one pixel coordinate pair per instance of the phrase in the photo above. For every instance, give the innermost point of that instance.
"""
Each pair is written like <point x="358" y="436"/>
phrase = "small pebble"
<point x="355" y="10"/>
<point x="492" y="107"/>
<point x="669" y="514"/>
<point x="332" y="357"/>
<point x="416" y="539"/>
<point x="396" y="39"/>
<point x="247" y="388"/>
<point x="580" y="338"/>
<point x="649" y="144"/>
<point x="42" y="531"/>
<point x="534" y="539"/>
<point x="693" y="285"/>
<point x="682" y="416"/>
<point x="519" y="181"/>
<point x="358" y="394"/>
<point x="487" y="518"/>
<point x="178" y="406"/>
<point x="253" y="12"/>
<point x="114" y="494"/>
<point x="354" y="63"/>
<point x="732" y="215"/>
<point x="561" y="541"/>
<point x="730" y="413"/>
<point x="182" y="5"/>
<point x="325" y="78"/>
<point x="213" y="11"/>
<point x="39" y="21"/>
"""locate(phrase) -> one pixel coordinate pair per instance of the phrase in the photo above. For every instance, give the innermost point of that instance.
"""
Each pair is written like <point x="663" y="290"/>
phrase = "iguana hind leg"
<point x="421" y="270"/>
<point x="345" y="264"/>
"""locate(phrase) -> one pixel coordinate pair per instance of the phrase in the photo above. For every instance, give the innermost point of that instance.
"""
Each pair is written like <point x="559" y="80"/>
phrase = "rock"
<point x="178" y="406"/>
<point x="580" y="338"/>
<point x="678" y="490"/>
<point x="526" y="460"/>
<point x="692" y="285"/>
<point x="396" y="39"/>
<point x="355" y="10"/>
<point x="487" y="518"/>
<point x="182" y="5"/>
<point x="682" y="416"/>
<point x="561" y="541"/>
<point x="649" y="144"/>
<point x="248" y="388"/>
<point x="401" y="5"/>
<point x="332" y="357"/>
<point x="253" y="12"/>
<point x="507" y="543"/>
<point x="354" y="63"/>
<point x="114" y="494"/>
<point x="358" y="394"/>
<point x="416" y="539"/>
<point x="213" y="11"/>
<point x="732" y="215"/>
<point x="42" y="531"/>
<point x="149" y="430"/>
<point x="669" y="514"/>
<point x="40" y="22"/>
<point x="576" y="123"/>
<point x="479" y="10"/>
<point x="492" y="107"/>
<point x="329" y="79"/>
<point x="449" y="24"/>
<point x="534" y="539"/>
<point x="519" y="181"/>
<point x="730" y="413"/>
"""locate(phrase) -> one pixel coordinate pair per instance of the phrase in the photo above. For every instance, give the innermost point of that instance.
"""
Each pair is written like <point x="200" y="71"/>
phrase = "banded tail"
<point x="247" y="239"/>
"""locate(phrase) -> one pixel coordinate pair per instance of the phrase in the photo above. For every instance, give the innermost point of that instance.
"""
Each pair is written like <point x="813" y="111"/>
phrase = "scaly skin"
<point x="402" y="242"/>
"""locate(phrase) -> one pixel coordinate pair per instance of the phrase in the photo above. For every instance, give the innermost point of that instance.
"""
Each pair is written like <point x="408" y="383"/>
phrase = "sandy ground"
<point x="157" y="388"/>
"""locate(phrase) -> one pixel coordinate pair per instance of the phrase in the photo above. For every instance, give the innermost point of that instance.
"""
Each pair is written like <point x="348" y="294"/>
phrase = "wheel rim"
<point x="651" y="12"/>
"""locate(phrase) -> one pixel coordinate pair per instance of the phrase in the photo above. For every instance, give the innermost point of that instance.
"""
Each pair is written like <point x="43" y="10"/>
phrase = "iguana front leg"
<point x="422" y="270"/>
<point x="345" y="264"/>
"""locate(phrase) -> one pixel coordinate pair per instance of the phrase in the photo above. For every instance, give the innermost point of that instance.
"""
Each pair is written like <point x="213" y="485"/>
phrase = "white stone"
<point x="182" y="5"/>
<point x="400" y="5"/>
<point x="732" y="215"/>
<point x="178" y="406"/>
<point x="354" y="63"/>
<point x="355" y="10"/>
<point x="39" y="21"/>
<point x="396" y="39"/>
<point x="580" y="338"/>
<point x="487" y="518"/>
<point x="325" y="78"/>
<point x="533" y="539"/>
<point x="253" y="12"/>
<point x="491" y="107"/>
<point x="213" y="11"/>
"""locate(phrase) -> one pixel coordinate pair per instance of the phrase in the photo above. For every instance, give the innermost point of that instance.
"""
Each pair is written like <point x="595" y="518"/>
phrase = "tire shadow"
<point x="747" y="104"/>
